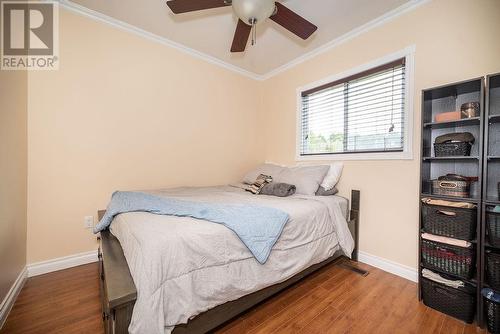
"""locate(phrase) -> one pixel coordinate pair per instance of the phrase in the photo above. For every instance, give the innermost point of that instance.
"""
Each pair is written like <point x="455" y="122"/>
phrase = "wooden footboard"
<point x="118" y="292"/>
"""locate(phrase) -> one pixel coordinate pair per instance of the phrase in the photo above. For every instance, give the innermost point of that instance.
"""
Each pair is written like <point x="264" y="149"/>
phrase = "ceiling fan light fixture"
<point x="250" y="14"/>
<point x="253" y="12"/>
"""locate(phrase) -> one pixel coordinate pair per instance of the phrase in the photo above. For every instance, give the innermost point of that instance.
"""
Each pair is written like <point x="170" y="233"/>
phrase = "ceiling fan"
<point x="250" y="13"/>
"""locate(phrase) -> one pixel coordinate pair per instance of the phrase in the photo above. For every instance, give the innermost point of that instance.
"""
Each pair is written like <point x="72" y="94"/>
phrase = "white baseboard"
<point x="11" y="296"/>
<point x="40" y="268"/>
<point x="389" y="266"/>
<point x="44" y="267"/>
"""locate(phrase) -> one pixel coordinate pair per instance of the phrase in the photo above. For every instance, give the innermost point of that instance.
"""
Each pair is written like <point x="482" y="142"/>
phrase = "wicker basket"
<point x="451" y="188"/>
<point x="448" y="259"/>
<point x="458" y="223"/>
<point x="452" y="149"/>
<point x="459" y="303"/>
<point x="492" y="310"/>
<point x="493" y="228"/>
<point x="493" y="270"/>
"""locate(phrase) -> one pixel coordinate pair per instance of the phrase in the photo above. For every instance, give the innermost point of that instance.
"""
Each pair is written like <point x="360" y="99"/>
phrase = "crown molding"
<point x="90" y="13"/>
<point x="381" y="20"/>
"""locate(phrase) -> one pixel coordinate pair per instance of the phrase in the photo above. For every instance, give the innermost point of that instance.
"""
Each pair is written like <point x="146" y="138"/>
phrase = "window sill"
<point x="357" y="156"/>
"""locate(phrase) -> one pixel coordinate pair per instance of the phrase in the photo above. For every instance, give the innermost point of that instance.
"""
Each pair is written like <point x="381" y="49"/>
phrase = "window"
<point x="360" y="113"/>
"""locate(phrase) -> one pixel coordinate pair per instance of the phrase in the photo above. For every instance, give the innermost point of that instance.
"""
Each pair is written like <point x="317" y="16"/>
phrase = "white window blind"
<point x="363" y="113"/>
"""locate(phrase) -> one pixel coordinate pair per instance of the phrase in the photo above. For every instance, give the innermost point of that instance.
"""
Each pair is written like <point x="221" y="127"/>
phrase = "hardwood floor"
<point x="333" y="300"/>
<point x="65" y="301"/>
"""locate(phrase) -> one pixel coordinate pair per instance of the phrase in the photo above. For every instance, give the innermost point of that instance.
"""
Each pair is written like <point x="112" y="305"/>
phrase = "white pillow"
<point x="305" y="178"/>
<point x="266" y="169"/>
<point x="333" y="176"/>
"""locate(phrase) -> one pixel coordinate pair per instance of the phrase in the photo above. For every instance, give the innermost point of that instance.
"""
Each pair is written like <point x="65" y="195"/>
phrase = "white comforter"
<point x="183" y="266"/>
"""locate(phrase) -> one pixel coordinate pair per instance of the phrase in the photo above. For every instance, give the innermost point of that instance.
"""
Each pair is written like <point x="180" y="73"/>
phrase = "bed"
<point x="194" y="275"/>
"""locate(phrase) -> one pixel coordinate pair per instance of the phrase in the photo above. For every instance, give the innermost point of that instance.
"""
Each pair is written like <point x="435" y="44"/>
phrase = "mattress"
<point x="183" y="266"/>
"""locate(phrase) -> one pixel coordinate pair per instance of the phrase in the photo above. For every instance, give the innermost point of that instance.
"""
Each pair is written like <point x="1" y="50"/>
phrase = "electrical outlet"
<point x="88" y="222"/>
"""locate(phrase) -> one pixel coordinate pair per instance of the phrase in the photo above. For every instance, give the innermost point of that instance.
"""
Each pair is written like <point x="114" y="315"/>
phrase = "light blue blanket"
<point x="257" y="227"/>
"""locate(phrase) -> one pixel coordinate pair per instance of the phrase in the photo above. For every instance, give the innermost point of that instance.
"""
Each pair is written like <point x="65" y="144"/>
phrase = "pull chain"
<point x="253" y="22"/>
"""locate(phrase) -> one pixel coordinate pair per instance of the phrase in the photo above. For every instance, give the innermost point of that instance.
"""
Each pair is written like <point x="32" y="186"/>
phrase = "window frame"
<point x="407" y="153"/>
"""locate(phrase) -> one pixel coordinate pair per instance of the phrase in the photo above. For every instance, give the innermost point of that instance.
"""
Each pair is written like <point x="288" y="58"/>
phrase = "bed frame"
<point x="118" y="293"/>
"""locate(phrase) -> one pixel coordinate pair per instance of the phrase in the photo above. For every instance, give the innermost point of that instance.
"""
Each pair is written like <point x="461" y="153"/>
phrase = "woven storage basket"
<point x="492" y="310"/>
<point x="458" y="223"/>
<point x="493" y="270"/>
<point x="493" y="228"/>
<point x="451" y="188"/>
<point x="459" y="303"/>
<point x="449" y="259"/>
<point x="452" y="149"/>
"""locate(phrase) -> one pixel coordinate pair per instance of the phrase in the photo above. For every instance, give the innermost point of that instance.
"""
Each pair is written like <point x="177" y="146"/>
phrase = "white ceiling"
<point x="211" y="31"/>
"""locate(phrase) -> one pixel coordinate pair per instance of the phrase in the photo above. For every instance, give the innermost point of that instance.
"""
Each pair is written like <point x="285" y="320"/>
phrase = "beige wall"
<point x="13" y="173"/>
<point x="455" y="40"/>
<point x="126" y="113"/>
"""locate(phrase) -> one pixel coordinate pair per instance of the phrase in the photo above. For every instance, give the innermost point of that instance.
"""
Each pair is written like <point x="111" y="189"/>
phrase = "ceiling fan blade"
<point x="240" y="37"/>
<point x="293" y="22"/>
<point x="184" y="6"/>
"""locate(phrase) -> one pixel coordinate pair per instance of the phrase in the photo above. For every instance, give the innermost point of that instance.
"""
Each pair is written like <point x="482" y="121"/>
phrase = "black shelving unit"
<point x="445" y="99"/>
<point x="492" y="140"/>
<point x="451" y="158"/>
<point x="491" y="169"/>
<point x="452" y="124"/>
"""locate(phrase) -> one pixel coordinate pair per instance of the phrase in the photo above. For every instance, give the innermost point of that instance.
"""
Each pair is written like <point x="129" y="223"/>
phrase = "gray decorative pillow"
<point x="266" y="169"/>
<point x="278" y="189"/>
<point x="306" y="178"/>
<point x="323" y="192"/>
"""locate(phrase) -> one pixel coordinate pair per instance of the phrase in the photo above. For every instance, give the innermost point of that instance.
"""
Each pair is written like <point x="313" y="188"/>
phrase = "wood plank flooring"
<point x="333" y="300"/>
<point x="65" y="301"/>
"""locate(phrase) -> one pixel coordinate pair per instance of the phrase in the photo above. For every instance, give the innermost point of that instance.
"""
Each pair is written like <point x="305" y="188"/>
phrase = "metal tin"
<point x="470" y="109"/>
